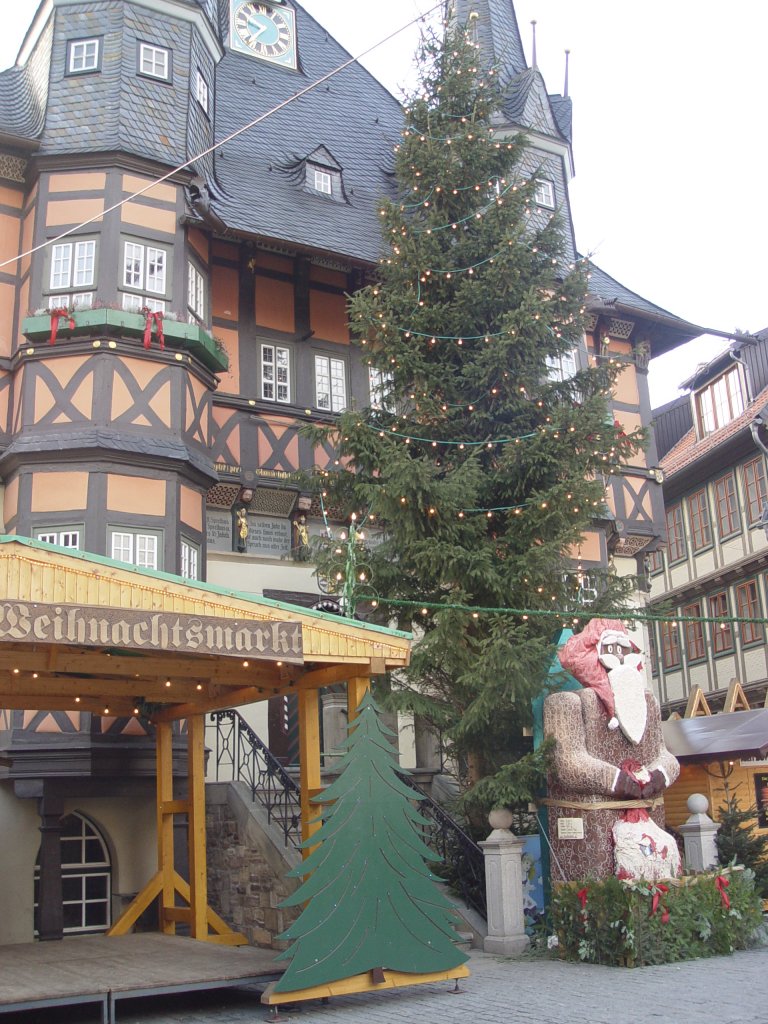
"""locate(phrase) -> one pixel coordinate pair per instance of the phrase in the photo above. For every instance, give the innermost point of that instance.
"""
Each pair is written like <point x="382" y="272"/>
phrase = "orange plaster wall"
<point x="10" y="500"/>
<point x="144" y="216"/>
<point x="334" y="277"/>
<point x="165" y="193"/>
<point x="59" y="492"/>
<point x="328" y="316"/>
<point x="629" y="421"/>
<point x="7" y="298"/>
<point x="72" y="211"/>
<point x="225" y="292"/>
<point x="11" y="197"/>
<point x="46" y="399"/>
<point x="199" y="243"/>
<point x="625" y="389"/>
<point x="191" y="508"/>
<point x="589" y="548"/>
<point x="93" y="181"/>
<point x="225" y="250"/>
<point x="9" y="238"/>
<point x="272" y="262"/>
<point x="230" y="381"/>
<point x="138" y="494"/>
<point x="273" y="305"/>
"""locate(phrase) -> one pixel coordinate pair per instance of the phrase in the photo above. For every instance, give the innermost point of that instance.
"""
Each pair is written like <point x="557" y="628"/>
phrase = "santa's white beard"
<point x="629" y="698"/>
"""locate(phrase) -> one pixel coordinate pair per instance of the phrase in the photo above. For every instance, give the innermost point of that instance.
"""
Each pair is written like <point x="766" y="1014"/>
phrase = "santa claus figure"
<point x="610" y="765"/>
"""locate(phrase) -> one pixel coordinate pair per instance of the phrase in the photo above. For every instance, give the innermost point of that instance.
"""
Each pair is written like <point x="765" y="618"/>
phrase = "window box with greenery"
<point x="116" y="322"/>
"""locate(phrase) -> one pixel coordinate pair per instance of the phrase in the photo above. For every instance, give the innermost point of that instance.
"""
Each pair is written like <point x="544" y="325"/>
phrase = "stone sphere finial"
<point x="698" y="803"/>
<point x="501" y="817"/>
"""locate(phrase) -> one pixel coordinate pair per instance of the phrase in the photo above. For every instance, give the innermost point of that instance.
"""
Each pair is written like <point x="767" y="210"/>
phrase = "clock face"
<point x="264" y="31"/>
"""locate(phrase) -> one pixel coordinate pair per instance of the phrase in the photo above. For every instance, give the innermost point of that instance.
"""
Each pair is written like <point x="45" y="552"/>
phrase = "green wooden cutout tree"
<point x="373" y="904"/>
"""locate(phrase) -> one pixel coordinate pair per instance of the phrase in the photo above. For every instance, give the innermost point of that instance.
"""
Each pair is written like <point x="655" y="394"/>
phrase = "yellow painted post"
<point x="164" y="748"/>
<point x="198" y="882"/>
<point x="309" y="759"/>
<point x="356" y="688"/>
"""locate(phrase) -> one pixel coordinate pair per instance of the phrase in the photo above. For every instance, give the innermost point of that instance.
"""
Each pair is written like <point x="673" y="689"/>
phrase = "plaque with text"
<point x="267" y="536"/>
<point x="570" y="828"/>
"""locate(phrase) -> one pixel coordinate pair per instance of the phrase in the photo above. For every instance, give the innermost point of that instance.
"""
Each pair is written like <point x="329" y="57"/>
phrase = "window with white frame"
<point x="83" y="55"/>
<point x="202" y="92"/>
<point x="196" y="289"/>
<point x="330" y="384"/>
<point x="562" y="367"/>
<point x="144" y="277"/>
<point x="190" y="560"/>
<point x="719" y="402"/>
<point x="73" y="273"/>
<point x="86" y="878"/>
<point x="545" y="194"/>
<point x="155" y="61"/>
<point x="275" y="373"/>
<point x="380" y="385"/>
<point x="135" y="547"/>
<point x="67" y="538"/>
<point x="324" y="180"/>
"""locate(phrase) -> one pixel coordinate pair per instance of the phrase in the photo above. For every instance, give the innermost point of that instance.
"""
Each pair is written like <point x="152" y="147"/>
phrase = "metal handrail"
<point x="251" y="761"/>
<point x="239" y="749"/>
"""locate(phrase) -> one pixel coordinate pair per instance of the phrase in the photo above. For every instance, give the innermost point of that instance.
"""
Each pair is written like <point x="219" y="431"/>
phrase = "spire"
<point x="498" y="32"/>
<point x="534" y="62"/>
<point x="565" y="84"/>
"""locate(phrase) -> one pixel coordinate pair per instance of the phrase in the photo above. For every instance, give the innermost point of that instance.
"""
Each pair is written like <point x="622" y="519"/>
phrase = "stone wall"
<point x="247" y="865"/>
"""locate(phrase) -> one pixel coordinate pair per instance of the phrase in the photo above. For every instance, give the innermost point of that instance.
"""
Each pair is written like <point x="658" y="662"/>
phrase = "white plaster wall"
<point x="18" y="851"/>
<point x="755" y="665"/>
<point x="251" y="575"/>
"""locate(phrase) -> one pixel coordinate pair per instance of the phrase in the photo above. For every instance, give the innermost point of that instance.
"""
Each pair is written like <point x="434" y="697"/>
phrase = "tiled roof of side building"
<point x="260" y="186"/>
<point x="690" y="448"/>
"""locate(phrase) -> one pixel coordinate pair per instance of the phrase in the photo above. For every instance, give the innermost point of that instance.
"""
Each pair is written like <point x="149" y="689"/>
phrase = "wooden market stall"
<point x="83" y="633"/>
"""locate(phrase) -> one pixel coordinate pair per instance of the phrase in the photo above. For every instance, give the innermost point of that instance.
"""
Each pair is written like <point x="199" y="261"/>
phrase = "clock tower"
<point x="264" y="30"/>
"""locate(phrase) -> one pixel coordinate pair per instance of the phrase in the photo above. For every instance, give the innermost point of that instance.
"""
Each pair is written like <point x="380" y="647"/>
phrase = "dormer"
<point x="720" y="391"/>
<point x="323" y="175"/>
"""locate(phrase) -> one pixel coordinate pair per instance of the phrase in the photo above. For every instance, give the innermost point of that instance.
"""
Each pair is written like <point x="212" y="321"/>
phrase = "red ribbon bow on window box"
<point x="56" y="315"/>
<point x="153" y="320"/>
<point x="581" y="896"/>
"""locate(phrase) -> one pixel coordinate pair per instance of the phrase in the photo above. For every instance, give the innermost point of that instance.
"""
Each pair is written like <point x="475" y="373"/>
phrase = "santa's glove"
<point x="625" y="787"/>
<point x="655" y="784"/>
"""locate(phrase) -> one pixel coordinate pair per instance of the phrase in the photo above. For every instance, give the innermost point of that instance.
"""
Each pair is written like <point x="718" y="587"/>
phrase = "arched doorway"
<point x="86" y="878"/>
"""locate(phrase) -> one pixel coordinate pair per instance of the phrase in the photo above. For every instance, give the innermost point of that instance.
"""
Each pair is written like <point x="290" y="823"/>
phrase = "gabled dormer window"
<point x="325" y="181"/>
<point x="719" y="402"/>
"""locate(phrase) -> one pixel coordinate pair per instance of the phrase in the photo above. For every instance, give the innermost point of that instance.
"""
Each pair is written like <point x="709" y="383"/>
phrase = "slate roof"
<point x="24" y="93"/>
<point x="497" y="31"/>
<point x="352" y="115"/>
<point x="689" y="449"/>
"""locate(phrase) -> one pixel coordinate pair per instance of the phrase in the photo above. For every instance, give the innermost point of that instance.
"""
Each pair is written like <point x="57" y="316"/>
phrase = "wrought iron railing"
<point x="242" y="756"/>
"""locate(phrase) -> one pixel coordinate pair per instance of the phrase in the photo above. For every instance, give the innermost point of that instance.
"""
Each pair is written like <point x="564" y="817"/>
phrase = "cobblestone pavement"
<point x="721" y="990"/>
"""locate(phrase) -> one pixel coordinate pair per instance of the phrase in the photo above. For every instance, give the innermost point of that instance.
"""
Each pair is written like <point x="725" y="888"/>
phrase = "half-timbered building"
<point x="188" y="193"/>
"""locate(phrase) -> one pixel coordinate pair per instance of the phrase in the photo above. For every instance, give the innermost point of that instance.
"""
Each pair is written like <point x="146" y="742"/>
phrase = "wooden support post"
<point x="198" y="882"/>
<point x="356" y="688"/>
<point x="164" y="741"/>
<point x="309" y="759"/>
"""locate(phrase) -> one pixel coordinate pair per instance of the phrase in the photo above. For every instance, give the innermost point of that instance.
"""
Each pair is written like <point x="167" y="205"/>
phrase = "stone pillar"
<point x="503" y="854"/>
<point x="50" y="908"/>
<point x="334" y="726"/>
<point x="427" y="745"/>
<point x="699" y="834"/>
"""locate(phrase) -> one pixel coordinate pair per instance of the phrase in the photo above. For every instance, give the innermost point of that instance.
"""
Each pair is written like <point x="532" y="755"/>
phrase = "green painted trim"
<point x="178" y="333"/>
<point x="209" y="588"/>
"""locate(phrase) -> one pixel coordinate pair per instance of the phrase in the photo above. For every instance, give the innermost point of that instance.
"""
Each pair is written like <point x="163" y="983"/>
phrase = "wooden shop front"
<point x="83" y="633"/>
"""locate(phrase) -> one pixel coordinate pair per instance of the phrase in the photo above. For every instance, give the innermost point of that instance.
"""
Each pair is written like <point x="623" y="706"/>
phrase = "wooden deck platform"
<point x="100" y="970"/>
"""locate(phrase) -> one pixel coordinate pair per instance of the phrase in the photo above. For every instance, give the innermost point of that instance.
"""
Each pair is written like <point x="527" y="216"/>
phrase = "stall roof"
<point x="83" y="632"/>
<point x="718" y="737"/>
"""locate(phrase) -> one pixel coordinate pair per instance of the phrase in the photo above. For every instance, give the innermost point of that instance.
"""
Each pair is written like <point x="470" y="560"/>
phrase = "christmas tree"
<point x="373" y="903"/>
<point x="480" y="464"/>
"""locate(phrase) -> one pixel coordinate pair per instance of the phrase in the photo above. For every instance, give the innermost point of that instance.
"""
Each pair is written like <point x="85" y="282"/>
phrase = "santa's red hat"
<point x="579" y="657"/>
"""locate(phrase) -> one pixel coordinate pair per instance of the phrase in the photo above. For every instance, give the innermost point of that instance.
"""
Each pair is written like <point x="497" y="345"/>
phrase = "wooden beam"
<point x="309" y="761"/>
<point x="697" y="705"/>
<point x="333" y="674"/>
<point x="360" y="983"/>
<point x="736" y="699"/>
<point x="52" y="702"/>
<point x="137" y="906"/>
<point x="164" y="741"/>
<point x="198" y="884"/>
<point x="227" y="699"/>
<point x="356" y="689"/>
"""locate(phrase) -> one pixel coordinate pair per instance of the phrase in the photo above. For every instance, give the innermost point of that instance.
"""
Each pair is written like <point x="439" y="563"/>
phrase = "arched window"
<point x="86" y="881"/>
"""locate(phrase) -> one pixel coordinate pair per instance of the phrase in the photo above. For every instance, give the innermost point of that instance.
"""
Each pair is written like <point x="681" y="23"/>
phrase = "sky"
<point x="669" y="141"/>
